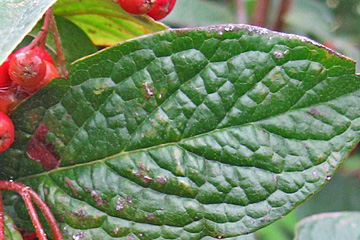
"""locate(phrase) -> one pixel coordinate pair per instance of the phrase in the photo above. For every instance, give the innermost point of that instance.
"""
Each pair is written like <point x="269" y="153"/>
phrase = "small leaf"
<point x="105" y="21"/>
<point x="330" y="226"/>
<point x="11" y="233"/>
<point x="17" y="18"/>
<point x="189" y="133"/>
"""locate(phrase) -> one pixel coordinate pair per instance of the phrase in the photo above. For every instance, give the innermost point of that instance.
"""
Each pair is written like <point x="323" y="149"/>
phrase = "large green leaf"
<point x="187" y="133"/>
<point x="17" y="18"/>
<point x="330" y="226"/>
<point x="105" y="21"/>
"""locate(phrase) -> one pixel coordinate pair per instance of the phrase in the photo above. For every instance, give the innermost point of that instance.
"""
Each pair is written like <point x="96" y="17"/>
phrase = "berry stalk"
<point x="60" y="61"/>
<point x="40" y="39"/>
<point x="28" y="194"/>
<point x="34" y="218"/>
<point x="2" y="223"/>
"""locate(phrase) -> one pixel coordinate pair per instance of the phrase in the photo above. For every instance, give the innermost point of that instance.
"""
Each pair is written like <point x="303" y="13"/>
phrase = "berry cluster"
<point x="23" y="73"/>
<point x="157" y="9"/>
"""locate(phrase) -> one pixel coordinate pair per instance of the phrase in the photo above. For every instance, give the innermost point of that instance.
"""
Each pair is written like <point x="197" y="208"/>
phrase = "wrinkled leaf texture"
<point x="189" y="134"/>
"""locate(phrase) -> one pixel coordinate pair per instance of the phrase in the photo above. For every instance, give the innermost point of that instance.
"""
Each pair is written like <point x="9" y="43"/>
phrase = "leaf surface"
<point x="331" y="226"/>
<point x="17" y="18"/>
<point x="186" y="134"/>
<point x="11" y="233"/>
<point x="105" y="21"/>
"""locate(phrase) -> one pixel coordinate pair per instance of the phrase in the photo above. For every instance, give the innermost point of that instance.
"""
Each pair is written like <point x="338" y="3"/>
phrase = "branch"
<point x="2" y="223"/>
<point x="260" y="14"/>
<point x="28" y="195"/>
<point x="47" y="214"/>
<point x="60" y="61"/>
<point x="34" y="218"/>
<point x="283" y="9"/>
<point x="241" y="11"/>
<point x="40" y="39"/>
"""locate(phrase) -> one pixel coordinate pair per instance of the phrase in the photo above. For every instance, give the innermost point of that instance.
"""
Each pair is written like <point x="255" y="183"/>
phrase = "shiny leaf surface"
<point x="186" y="134"/>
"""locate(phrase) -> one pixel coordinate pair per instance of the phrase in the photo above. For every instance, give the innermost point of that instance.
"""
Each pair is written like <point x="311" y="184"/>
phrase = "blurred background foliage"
<point x="334" y="23"/>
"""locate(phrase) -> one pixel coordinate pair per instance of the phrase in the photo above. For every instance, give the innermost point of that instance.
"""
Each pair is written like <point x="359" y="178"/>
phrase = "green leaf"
<point x="75" y="42"/>
<point x="187" y="133"/>
<point x="331" y="226"/>
<point x="105" y="21"/>
<point x="17" y="18"/>
<point x="10" y="231"/>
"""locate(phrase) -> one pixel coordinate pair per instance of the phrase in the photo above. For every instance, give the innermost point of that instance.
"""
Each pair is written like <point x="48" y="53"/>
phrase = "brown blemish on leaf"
<point x="42" y="151"/>
<point x="314" y="111"/>
<point x="69" y="183"/>
<point x="99" y="201"/>
<point x="149" y="91"/>
<point x="161" y="180"/>
<point x="151" y="216"/>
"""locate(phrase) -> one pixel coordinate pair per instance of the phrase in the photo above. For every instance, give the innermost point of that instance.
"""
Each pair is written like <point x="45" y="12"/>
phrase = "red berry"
<point x="45" y="55"/>
<point x="5" y="80"/>
<point x="329" y="45"/>
<point x="161" y="9"/>
<point x="137" y="6"/>
<point x="27" y="69"/>
<point x="7" y="132"/>
<point x="9" y="100"/>
<point x="51" y="73"/>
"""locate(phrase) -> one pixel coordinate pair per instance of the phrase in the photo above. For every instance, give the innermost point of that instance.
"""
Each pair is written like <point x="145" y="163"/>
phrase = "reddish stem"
<point x="40" y="39"/>
<point x="283" y="9"/>
<point x="241" y="11"/>
<point x="260" y="15"/>
<point x="28" y="195"/>
<point x="47" y="214"/>
<point x="34" y="218"/>
<point x="60" y="61"/>
<point x="2" y="223"/>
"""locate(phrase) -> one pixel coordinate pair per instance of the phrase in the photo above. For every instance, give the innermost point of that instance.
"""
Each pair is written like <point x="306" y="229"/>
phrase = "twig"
<point x="47" y="214"/>
<point x="60" y="62"/>
<point x="241" y="11"/>
<point x="40" y="39"/>
<point x="28" y="195"/>
<point x="2" y="223"/>
<point x="34" y="218"/>
<point x="283" y="9"/>
<point x="260" y="14"/>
